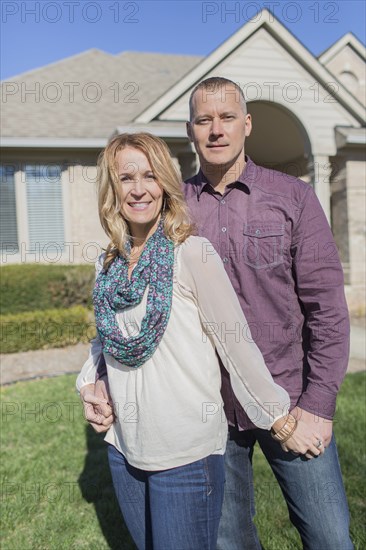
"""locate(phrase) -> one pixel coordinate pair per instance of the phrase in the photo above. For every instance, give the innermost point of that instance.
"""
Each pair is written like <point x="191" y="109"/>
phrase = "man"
<point x="265" y="226"/>
<point x="274" y="240"/>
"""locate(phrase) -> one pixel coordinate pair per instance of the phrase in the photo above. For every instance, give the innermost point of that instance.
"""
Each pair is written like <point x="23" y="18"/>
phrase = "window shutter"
<point x="8" y="213"/>
<point x="45" y="207"/>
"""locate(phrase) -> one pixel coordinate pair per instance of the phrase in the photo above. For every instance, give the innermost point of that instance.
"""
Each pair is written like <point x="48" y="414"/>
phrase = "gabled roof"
<point x="127" y="83"/>
<point x="347" y="39"/>
<point x="273" y="26"/>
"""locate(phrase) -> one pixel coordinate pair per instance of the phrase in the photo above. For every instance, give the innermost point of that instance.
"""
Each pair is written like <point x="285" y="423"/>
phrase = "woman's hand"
<point x="97" y="401"/>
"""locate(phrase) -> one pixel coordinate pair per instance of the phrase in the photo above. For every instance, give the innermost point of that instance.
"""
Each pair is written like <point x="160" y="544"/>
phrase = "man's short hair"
<point x="212" y="85"/>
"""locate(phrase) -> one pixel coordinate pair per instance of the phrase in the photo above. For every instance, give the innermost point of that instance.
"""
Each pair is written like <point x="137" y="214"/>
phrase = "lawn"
<point x="57" y="492"/>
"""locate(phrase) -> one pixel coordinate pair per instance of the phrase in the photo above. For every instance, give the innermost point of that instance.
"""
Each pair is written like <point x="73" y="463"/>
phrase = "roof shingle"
<point x="88" y="95"/>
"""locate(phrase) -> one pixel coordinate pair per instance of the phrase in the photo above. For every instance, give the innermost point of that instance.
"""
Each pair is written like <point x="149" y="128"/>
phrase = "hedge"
<point x="50" y="328"/>
<point x="32" y="287"/>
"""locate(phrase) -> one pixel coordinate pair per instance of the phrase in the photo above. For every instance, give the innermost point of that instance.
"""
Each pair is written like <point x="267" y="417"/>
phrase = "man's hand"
<point x="311" y="427"/>
<point x="97" y="401"/>
<point x="315" y="423"/>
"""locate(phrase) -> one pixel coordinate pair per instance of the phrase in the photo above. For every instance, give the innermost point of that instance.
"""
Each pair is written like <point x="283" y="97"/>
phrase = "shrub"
<point x="75" y="288"/>
<point x="50" y="328"/>
<point x="30" y="287"/>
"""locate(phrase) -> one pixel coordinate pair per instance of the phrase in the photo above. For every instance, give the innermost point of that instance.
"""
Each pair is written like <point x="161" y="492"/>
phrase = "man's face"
<point x="218" y="127"/>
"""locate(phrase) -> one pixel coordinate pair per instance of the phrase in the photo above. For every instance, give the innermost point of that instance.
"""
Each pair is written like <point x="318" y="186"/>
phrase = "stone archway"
<point x="279" y="140"/>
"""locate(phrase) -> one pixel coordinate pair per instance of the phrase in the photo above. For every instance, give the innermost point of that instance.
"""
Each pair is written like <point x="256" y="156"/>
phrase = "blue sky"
<point x="35" y="33"/>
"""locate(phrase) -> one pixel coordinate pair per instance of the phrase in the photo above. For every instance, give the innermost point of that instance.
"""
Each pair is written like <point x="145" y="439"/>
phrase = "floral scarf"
<point x="114" y="292"/>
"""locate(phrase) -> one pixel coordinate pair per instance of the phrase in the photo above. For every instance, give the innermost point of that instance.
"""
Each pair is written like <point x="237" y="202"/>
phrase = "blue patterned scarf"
<point x="114" y="292"/>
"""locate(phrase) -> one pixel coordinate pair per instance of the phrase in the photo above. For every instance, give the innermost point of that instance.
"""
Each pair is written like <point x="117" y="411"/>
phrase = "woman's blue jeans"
<point x="175" y="509"/>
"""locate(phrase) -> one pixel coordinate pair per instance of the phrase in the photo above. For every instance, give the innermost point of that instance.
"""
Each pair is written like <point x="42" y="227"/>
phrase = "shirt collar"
<point x="248" y="176"/>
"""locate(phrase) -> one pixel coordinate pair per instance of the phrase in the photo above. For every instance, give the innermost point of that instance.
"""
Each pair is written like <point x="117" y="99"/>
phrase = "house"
<point x="308" y="116"/>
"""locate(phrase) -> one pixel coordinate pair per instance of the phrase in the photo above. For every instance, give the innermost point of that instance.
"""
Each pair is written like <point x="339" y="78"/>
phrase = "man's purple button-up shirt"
<point x="280" y="255"/>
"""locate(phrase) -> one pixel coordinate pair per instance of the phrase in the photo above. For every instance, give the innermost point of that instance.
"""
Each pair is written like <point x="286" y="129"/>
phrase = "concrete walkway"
<point x="53" y="362"/>
<point x="28" y="365"/>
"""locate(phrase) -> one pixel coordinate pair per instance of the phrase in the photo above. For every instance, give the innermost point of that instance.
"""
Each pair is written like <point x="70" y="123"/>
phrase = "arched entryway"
<point x="279" y="140"/>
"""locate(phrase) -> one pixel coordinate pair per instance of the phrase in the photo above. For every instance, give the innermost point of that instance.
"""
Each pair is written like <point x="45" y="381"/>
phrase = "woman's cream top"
<point x="169" y="411"/>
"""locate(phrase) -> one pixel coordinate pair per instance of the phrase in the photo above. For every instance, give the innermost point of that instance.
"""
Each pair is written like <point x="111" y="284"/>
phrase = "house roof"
<point x="87" y="95"/>
<point x="274" y="27"/>
<point x="347" y="39"/>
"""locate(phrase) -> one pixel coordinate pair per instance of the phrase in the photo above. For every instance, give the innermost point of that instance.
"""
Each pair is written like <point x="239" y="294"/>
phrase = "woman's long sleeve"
<point x="202" y="275"/>
<point x="89" y="369"/>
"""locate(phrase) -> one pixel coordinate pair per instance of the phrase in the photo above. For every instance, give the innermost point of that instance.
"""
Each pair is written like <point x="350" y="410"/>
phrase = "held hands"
<point x="309" y="435"/>
<point x="96" y="400"/>
<point x="314" y="423"/>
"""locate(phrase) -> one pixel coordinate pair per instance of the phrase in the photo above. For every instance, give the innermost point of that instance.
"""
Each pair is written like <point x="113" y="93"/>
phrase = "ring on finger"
<point x="319" y="444"/>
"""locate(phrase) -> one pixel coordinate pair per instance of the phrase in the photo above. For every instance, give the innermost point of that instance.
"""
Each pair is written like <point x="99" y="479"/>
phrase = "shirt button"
<point x="223" y="201"/>
<point x="258" y="232"/>
<point x="225" y="260"/>
<point x="223" y="229"/>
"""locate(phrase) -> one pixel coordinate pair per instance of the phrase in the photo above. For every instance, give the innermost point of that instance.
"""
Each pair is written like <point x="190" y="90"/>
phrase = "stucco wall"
<point x="86" y="234"/>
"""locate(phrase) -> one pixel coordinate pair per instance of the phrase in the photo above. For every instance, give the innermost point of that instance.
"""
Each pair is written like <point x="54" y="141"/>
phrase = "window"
<point x="45" y="207"/>
<point x="8" y="214"/>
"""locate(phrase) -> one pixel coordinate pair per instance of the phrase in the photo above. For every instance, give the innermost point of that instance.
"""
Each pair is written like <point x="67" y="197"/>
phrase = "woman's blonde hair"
<point x="177" y="225"/>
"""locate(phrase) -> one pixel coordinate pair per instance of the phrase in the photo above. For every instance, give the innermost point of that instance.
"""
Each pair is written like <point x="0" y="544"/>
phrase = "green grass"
<point x="56" y="487"/>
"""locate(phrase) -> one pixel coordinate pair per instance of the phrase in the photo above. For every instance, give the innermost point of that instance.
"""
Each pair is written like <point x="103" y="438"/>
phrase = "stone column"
<point x="356" y="196"/>
<point x="339" y="212"/>
<point x="320" y="169"/>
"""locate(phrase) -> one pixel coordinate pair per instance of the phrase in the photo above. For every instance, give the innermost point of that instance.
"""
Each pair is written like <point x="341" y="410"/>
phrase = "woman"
<point x="164" y="305"/>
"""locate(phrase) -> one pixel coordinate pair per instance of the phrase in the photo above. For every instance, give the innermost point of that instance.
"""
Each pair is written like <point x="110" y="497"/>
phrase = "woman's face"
<point x="140" y="193"/>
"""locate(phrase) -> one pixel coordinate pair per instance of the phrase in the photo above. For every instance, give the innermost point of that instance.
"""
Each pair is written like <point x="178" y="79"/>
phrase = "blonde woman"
<point x="164" y="306"/>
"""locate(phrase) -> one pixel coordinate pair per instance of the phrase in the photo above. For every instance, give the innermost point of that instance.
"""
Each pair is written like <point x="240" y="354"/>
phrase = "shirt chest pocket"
<point x="263" y="244"/>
